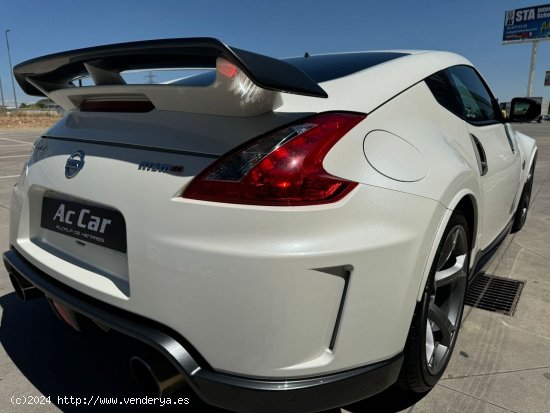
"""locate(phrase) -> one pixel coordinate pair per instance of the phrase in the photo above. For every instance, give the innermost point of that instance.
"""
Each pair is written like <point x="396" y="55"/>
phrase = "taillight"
<point x="283" y="168"/>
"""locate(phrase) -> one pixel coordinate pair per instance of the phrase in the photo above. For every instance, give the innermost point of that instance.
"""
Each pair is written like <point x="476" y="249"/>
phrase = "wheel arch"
<point x="529" y="150"/>
<point x="466" y="202"/>
<point x="533" y="159"/>
<point x="468" y="205"/>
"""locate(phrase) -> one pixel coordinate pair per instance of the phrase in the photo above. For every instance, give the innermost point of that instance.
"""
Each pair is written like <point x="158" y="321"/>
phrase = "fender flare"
<point x="533" y="159"/>
<point x="441" y="229"/>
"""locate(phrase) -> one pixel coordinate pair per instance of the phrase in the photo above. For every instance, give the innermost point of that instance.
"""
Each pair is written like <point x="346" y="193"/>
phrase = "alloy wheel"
<point x="526" y="199"/>
<point x="446" y="299"/>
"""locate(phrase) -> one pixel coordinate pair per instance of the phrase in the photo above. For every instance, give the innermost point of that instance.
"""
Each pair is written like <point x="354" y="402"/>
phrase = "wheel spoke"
<point x="448" y="248"/>
<point x="430" y="342"/>
<point x="441" y="320"/>
<point x="453" y="273"/>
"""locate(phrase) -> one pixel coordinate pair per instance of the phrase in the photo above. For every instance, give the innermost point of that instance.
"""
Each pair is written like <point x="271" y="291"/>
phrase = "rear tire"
<point x="437" y="318"/>
<point x="523" y="207"/>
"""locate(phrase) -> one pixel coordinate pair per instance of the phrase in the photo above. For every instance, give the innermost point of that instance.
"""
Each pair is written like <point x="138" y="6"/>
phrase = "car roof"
<point x="367" y="89"/>
<point x="324" y="67"/>
<point x="346" y="63"/>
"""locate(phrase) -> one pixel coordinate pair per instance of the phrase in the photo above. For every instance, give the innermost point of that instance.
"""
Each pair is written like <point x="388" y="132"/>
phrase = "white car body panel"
<point x="501" y="185"/>
<point x="217" y="275"/>
<point x="426" y="126"/>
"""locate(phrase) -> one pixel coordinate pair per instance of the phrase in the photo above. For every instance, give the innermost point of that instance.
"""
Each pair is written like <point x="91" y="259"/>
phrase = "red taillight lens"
<point x="284" y="167"/>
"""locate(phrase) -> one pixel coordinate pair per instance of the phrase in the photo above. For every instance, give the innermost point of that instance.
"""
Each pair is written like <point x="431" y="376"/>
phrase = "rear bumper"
<point x="219" y="389"/>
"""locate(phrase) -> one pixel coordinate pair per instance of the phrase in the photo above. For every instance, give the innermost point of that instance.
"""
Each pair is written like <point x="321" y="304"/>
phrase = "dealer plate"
<point x="89" y="223"/>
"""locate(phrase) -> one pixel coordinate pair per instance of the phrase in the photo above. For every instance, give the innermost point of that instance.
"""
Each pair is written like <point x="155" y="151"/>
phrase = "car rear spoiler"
<point x="104" y="64"/>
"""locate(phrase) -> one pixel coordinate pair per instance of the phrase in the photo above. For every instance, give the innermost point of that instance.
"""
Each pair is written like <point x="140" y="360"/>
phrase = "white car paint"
<point x="243" y="283"/>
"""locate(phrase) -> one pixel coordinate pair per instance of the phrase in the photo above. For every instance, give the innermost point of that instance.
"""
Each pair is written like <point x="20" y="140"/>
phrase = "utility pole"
<point x="535" y="44"/>
<point x="2" y="93"/>
<point x="150" y="78"/>
<point x="11" y="70"/>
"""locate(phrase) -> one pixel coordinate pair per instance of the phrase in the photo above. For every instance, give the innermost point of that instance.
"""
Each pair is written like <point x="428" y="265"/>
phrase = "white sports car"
<point x="286" y="235"/>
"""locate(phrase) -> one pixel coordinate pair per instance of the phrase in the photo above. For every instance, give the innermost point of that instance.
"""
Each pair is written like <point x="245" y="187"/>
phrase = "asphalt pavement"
<point x="501" y="363"/>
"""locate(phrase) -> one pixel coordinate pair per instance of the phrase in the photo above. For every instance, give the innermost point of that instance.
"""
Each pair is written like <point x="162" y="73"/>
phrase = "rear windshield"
<point x="327" y="67"/>
<point x="203" y="79"/>
<point x="320" y="68"/>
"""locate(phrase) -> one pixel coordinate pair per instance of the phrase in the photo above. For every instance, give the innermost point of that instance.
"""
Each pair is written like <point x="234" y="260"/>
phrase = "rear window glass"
<point x="203" y="79"/>
<point x="327" y="67"/>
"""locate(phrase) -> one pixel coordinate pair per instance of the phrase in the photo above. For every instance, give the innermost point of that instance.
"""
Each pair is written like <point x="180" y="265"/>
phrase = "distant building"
<point x="52" y="107"/>
<point x="545" y="106"/>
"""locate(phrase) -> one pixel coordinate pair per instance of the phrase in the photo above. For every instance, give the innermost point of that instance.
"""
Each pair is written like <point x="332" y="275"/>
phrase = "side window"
<point x="445" y="93"/>
<point x="460" y="90"/>
<point x="477" y="102"/>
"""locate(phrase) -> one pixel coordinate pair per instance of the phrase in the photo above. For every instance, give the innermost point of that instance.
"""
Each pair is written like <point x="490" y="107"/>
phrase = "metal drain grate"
<point x="496" y="294"/>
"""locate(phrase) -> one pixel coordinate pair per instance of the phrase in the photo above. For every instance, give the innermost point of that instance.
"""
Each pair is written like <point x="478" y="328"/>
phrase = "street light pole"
<point x="11" y="70"/>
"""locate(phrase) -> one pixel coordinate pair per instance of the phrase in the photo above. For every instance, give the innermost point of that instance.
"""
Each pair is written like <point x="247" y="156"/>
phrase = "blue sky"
<point x="280" y="28"/>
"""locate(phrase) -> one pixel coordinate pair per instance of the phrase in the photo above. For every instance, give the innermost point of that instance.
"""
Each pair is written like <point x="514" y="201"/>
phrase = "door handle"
<point x="480" y="155"/>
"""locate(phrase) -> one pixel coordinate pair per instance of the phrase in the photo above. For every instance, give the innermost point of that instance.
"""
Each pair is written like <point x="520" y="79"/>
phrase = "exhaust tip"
<point x="144" y="376"/>
<point x="156" y="375"/>
<point x="24" y="289"/>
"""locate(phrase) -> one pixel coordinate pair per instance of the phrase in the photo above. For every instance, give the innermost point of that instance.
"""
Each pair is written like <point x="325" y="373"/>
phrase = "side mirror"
<point x="523" y="110"/>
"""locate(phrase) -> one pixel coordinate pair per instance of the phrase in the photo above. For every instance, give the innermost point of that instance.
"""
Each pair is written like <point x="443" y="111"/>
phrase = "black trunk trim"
<point x="133" y="146"/>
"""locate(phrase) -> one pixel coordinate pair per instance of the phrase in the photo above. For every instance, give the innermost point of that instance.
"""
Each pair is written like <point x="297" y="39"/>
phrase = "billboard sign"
<point x="529" y="23"/>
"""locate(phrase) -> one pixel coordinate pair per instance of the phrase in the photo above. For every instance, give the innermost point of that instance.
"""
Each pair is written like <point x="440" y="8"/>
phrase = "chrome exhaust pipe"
<point x="24" y="289"/>
<point x="156" y="375"/>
